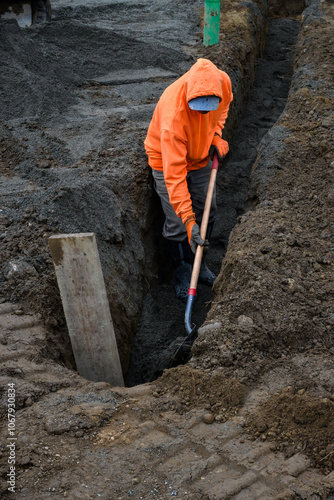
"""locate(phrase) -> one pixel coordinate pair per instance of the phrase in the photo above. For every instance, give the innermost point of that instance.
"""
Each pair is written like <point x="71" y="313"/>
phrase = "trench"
<point x="161" y="328"/>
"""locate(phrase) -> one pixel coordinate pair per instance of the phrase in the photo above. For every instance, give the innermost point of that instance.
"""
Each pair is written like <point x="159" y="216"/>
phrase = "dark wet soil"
<point x="72" y="160"/>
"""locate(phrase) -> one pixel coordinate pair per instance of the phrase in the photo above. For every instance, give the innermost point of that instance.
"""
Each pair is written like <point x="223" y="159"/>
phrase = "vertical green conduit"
<point x="211" y="22"/>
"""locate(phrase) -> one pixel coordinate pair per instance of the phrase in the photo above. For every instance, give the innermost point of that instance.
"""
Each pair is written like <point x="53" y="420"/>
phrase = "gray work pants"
<point x="198" y="182"/>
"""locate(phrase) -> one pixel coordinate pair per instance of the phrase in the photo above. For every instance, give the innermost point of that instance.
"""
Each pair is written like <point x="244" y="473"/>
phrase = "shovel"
<point x="191" y="329"/>
<point x="185" y="347"/>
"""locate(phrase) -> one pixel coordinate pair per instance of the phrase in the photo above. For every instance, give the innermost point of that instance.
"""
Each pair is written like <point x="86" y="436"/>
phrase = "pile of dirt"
<point x="297" y="421"/>
<point x="45" y="61"/>
<point x="211" y="391"/>
<point x="11" y="153"/>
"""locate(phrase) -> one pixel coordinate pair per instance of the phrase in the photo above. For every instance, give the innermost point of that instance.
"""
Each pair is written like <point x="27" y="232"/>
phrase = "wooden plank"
<point x="86" y="307"/>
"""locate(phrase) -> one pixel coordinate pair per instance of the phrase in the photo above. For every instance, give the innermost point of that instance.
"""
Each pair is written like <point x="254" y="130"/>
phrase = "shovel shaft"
<point x="199" y="250"/>
<point x="187" y="317"/>
<point x="204" y="224"/>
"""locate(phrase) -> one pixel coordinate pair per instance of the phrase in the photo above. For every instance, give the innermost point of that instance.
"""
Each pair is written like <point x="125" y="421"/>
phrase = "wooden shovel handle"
<point x="204" y="226"/>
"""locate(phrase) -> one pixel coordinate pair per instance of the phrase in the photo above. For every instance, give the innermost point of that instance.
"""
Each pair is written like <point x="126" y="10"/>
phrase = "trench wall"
<point x="274" y="291"/>
<point x="238" y="57"/>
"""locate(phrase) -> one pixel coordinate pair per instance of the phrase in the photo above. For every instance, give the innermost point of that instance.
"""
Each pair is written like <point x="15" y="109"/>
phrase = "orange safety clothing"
<point x="179" y="139"/>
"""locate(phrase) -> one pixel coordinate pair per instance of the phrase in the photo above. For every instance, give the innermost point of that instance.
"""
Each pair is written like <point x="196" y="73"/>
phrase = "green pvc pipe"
<point x="211" y="22"/>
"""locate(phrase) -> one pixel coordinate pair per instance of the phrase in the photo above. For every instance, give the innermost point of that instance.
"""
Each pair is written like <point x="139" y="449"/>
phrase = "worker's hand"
<point x="195" y="237"/>
<point x="214" y="150"/>
<point x="220" y="147"/>
<point x="193" y="232"/>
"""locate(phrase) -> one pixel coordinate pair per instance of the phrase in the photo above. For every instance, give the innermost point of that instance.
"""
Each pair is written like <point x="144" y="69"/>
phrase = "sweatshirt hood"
<point x="203" y="78"/>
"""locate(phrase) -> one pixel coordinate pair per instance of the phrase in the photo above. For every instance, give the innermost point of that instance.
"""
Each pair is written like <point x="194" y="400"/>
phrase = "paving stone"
<point x="257" y="491"/>
<point x="225" y="431"/>
<point x="246" y="452"/>
<point x="312" y="484"/>
<point x="178" y="461"/>
<point x="314" y="478"/>
<point x="215" y="477"/>
<point x="222" y="485"/>
<point x="306" y="493"/>
<point x="296" y="464"/>
<point x="275" y="465"/>
<point x="156" y="439"/>
<point x="188" y="466"/>
<point x="269" y="464"/>
<point x="330" y="479"/>
<point x="286" y="494"/>
<point x="230" y="429"/>
<point x="259" y="450"/>
<point x="7" y="307"/>
<point x="185" y="472"/>
<point x="213" y="431"/>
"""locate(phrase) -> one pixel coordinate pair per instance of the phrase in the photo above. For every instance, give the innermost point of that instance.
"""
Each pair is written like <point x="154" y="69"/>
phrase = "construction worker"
<point x="184" y="133"/>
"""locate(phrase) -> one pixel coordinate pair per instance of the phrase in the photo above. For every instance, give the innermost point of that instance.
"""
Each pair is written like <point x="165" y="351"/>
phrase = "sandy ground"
<point x="251" y="414"/>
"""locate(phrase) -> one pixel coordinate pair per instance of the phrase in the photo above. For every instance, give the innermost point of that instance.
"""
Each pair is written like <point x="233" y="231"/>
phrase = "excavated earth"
<point x="250" y="413"/>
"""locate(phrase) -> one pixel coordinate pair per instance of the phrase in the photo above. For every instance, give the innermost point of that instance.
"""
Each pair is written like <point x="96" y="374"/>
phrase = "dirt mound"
<point x="46" y="64"/>
<point x="297" y="422"/>
<point x="11" y="153"/>
<point x="197" y="389"/>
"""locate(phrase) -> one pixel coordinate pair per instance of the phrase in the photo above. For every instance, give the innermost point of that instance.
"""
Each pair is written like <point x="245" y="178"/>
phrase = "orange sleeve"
<point x="174" y="161"/>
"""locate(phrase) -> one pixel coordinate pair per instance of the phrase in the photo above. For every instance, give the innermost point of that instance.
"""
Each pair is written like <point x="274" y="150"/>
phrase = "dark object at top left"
<point x="27" y="12"/>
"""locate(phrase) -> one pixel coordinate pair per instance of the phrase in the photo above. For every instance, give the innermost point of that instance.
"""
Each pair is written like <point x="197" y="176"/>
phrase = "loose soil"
<point x="297" y="421"/>
<point x="78" y="94"/>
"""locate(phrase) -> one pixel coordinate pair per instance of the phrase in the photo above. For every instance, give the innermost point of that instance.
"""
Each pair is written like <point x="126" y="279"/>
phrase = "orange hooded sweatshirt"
<point x="179" y="139"/>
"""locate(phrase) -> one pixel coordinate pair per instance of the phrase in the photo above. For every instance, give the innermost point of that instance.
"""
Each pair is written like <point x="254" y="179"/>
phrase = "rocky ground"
<point x="251" y="414"/>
